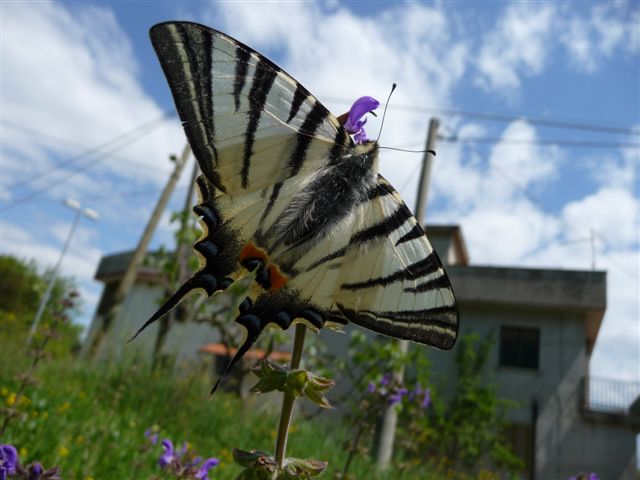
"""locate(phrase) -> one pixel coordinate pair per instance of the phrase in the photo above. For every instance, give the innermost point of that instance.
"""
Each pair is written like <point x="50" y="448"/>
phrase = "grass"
<point x="90" y="420"/>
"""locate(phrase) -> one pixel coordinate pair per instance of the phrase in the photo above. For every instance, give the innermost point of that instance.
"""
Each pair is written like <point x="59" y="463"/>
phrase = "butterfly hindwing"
<point x="385" y="275"/>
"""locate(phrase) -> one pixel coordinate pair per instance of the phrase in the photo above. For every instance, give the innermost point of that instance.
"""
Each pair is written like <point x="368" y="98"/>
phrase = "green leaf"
<point x="296" y="468"/>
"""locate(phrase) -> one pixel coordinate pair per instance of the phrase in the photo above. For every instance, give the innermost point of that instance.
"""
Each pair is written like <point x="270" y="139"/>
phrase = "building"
<point x="545" y="323"/>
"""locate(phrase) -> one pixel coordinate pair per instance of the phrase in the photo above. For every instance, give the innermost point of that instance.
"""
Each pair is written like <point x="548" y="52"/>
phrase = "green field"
<point x="90" y="420"/>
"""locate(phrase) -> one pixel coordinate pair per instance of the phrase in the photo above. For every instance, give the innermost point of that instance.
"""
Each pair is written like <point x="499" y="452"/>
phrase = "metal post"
<point x="75" y="206"/>
<point x="390" y="419"/>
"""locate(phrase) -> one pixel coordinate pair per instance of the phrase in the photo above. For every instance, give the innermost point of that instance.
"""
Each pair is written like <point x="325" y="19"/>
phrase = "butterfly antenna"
<point x="432" y="152"/>
<point x="384" y="114"/>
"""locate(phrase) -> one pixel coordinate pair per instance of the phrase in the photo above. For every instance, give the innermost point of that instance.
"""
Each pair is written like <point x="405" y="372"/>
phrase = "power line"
<point x="88" y="151"/>
<point x="505" y="118"/>
<point x="527" y="141"/>
<point x="113" y="195"/>
<point x="149" y="127"/>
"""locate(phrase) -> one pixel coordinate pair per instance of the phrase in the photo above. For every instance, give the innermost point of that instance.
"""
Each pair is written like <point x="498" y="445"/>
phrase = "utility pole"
<point x="390" y="419"/>
<point x="129" y="277"/>
<point x="180" y="257"/>
<point x="90" y="214"/>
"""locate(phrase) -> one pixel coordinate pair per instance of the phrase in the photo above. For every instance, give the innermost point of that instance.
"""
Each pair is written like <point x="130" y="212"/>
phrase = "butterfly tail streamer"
<point x="198" y="281"/>
<point x="254" y="329"/>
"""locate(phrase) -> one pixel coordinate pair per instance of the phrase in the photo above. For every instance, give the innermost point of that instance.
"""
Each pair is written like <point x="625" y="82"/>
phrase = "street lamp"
<point x="91" y="215"/>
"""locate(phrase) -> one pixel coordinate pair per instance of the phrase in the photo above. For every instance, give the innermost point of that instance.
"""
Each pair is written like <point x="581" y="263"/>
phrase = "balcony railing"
<point x="605" y="395"/>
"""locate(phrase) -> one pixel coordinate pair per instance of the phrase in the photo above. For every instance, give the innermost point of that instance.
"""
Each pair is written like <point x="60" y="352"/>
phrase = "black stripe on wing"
<point x="307" y="130"/>
<point x="437" y="327"/>
<point x="423" y="268"/>
<point x="264" y="76"/>
<point x="185" y="55"/>
<point x="240" y="74"/>
<point x="415" y="232"/>
<point x="384" y="227"/>
<point x="434" y="284"/>
<point x="299" y="96"/>
<point x="272" y="200"/>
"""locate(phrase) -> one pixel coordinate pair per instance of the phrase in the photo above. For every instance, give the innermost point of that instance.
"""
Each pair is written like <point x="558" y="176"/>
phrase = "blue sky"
<point x="77" y="74"/>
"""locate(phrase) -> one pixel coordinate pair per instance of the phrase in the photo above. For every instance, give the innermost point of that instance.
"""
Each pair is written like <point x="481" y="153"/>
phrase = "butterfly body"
<point x="288" y="194"/>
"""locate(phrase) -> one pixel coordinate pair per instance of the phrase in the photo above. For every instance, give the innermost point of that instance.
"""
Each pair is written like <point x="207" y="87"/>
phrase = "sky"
<point x="537" y="152"/>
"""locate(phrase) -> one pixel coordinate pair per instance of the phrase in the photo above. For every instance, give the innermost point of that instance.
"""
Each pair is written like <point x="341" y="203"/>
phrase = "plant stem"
<point x="287" y="402"/>
<point x="352" y="450"/>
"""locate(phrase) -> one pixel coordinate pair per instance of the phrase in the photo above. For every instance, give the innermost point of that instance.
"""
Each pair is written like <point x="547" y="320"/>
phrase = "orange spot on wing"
<point x="252" y="251"/>
<point x="277" y="278"/>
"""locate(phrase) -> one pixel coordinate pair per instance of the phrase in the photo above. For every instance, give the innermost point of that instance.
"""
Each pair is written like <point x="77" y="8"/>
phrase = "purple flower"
<point x="168" y="456"/>
<point x="35" y="472"/>
<point x="371" y="388"/>
<point x="426" y="400"/>
<point x="416" y="392"/>
<point x="396" y="397"/>
<point x="8" y="460"/>
<point x="359" y="109"/>
<point x="386" y="380"/>
<point x="152" y="437"/>
<point x="207" y="465"/>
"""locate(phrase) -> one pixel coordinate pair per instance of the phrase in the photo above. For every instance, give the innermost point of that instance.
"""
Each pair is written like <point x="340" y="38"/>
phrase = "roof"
<point x="582" y="291"/>
<point x="448" y="241"/>
<point x="112" y="267"/>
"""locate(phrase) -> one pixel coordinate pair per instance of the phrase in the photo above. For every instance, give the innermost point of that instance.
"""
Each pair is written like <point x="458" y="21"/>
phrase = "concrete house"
<point x="545" y="323"/>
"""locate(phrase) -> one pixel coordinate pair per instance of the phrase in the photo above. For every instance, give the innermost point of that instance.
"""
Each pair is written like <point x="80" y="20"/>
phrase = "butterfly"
<point x="287" y="193"/>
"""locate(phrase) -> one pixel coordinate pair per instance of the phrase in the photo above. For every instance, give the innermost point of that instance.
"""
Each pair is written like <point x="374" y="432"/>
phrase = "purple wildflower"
<point x="371" y="388"/>
<point x="396" y="397"/>
<point x="416" y="392"/>
<point x="386" y="380"/>
<point x="193" y="462"/>
<point x="35" y="472"/>
<point x="152" y="437"/>
<point x="426" y="400"/>
<point x="207" y="465"/>
<point x="359" y="109"/>
<point x="168" y="456"/>
<point x="8" y="460"/>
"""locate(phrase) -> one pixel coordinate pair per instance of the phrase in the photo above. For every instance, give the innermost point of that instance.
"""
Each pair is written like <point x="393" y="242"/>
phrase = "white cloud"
<point x="345" y="56"/>
<point x="610" y="212"/>
<point x="518" y="45"/>
<point x="82" y="87"/>
<point x="608" y="28"/>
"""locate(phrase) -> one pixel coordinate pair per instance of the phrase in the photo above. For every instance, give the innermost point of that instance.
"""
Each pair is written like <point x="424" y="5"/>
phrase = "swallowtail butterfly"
<point x="286" y="191"/>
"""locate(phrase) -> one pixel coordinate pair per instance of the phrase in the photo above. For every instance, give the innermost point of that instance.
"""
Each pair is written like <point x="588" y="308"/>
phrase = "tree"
<point x="21" y="290"/>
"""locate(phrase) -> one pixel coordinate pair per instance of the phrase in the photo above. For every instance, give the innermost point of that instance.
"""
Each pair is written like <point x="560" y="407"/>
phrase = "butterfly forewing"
<point x="250" y="124"/>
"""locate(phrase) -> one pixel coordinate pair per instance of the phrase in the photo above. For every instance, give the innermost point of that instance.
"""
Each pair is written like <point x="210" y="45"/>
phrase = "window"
<point x="519" y="347"/>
